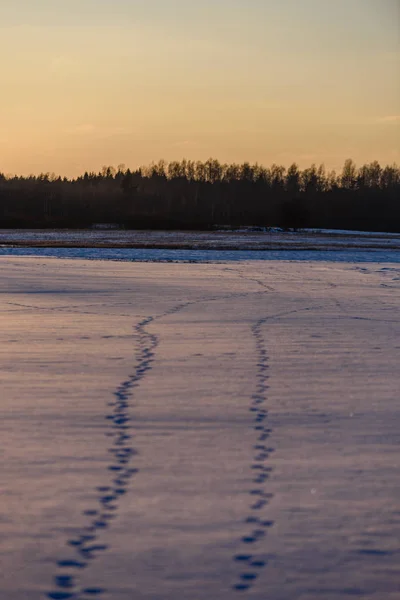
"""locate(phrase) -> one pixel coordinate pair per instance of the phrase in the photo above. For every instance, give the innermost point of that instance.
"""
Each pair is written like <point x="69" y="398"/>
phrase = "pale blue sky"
<point x="93" y="82"/>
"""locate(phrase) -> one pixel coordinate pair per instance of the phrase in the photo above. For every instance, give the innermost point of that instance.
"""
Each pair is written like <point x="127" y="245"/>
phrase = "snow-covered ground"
<point x="203" y="240"/>
<point x="199" y="431"/>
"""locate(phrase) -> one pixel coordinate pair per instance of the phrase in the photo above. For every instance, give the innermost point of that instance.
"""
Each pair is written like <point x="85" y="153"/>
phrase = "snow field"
<point x="199" y="430"/>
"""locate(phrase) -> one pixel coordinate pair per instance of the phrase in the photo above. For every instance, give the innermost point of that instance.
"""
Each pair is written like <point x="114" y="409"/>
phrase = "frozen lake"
<point x="223" y="429"/>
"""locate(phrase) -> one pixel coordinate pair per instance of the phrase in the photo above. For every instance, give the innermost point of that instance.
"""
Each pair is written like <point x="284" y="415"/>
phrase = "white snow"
<point x="262" y="399"/>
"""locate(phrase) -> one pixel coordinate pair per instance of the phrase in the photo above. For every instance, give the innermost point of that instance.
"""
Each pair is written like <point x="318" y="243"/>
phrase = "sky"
<point x="87" y="83"/>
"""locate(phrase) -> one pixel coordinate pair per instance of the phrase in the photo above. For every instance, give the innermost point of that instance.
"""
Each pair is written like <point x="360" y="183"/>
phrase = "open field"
<point x="200" y="240"/>
<point x="199" y="431"/>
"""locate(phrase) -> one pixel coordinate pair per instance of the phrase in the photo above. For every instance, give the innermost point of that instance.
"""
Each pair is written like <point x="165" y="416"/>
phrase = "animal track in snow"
<point x="259" y="497"/>
<point x="87" y="543"/>
<point x="86" y="546"/>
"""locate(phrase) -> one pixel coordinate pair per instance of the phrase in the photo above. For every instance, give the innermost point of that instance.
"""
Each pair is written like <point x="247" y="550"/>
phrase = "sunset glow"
<point x="93" y="82"/>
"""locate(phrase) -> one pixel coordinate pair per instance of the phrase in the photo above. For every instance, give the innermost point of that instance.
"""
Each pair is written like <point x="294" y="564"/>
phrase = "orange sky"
<point x="91" y="83"/>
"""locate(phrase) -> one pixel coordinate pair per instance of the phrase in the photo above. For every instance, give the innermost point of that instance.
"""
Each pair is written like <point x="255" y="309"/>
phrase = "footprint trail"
<point x="250" y="561"/>
<point x="86" y="546"/>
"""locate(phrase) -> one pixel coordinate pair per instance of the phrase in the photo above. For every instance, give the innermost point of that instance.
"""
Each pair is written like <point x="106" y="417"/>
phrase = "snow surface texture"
<point x="199" y="431"/>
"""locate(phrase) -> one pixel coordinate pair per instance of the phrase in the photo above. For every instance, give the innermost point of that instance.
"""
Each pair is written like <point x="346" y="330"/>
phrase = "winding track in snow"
<point x="87" y="544"/>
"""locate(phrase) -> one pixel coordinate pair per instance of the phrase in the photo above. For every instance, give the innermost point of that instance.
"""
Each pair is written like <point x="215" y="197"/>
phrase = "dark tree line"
<point x="202" y="195"/>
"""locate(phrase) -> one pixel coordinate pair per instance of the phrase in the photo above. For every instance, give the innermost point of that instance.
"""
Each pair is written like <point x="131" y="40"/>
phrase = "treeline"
<point x="203" y="195"/>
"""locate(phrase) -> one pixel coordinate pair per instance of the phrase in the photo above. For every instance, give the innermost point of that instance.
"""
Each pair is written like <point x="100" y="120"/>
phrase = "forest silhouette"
<point x="205" y="195"/>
